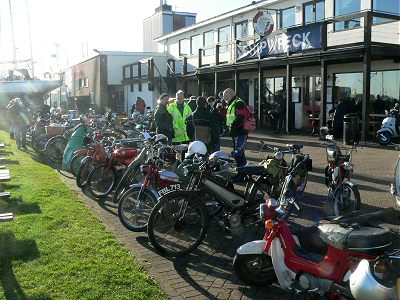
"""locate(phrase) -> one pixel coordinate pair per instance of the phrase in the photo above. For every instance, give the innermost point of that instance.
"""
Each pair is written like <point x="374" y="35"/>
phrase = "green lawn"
<point x="55" y="248"/>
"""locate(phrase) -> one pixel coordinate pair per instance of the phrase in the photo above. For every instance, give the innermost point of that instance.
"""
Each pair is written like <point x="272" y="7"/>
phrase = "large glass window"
<point x="313" y="12"/>
<point x="224" y="35"/>
<point x="273" y="87"/>
<point x="241" y="31"/>
<point x="384" y="86"/>
<point x="195" y="44"/>
<point x="183" y="47"/>
<point x="345" y="7"/>
<point x="288" y="17"/>
<point x="385" y="6"/>
<point x="348" y="88"/>
<point x="208" y="40"/>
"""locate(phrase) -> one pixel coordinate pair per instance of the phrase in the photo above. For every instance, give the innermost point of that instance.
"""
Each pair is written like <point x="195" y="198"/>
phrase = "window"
<point x="385" y="85"/>
<point x="241" y="31"/>
<point x="131" y="88"/>
<point x="273" y="88"/>
<point x="348" y="86"/>
<point x="208" y="40"/>
<point x="195" y="44"/>
<point x="183" y="47"/>
<point x="345" y="7"/>
<point x="385" y="6"/>
<point x="288" y="17"/>
<point x="127" y="72"/>
<point x="83" y="83"/>
<point x="224" y="35"/>
<point x="313" y="12"/>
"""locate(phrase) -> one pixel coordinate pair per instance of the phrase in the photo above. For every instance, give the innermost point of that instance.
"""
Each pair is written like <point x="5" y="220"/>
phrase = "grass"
<point x="55" y="248"/>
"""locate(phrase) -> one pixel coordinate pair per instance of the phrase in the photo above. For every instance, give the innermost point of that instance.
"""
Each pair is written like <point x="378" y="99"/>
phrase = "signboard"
<point x="263" y="23"/>
<point x="294" y="40"/>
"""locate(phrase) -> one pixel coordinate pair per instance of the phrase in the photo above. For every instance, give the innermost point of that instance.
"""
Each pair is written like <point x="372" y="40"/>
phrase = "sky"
<point x="73" y="28"/>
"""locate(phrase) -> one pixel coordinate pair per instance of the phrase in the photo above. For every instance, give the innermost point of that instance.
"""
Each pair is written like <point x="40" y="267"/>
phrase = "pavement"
<point x="207" y="273"/>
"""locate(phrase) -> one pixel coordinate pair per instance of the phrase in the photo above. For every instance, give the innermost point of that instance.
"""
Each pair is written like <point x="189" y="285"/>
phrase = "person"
<point x="192" y="103"/>
<point x="179" y="111"/>
<point x="217" y="124"/>
<point x="235" y="117"/>
<point x="379" y="105"/>
<point x="198" y="124"/>
<point x="133" y="108"/>
<point x="341" y="110"/>
<point x="20" y="120"/>
<point x="140" y="105"/>
<point x="281" y="109"/>
<point x="163" y="118"/>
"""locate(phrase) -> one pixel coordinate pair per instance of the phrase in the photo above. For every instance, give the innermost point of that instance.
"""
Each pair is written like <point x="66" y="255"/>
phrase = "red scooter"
<point x="341" y="259"/>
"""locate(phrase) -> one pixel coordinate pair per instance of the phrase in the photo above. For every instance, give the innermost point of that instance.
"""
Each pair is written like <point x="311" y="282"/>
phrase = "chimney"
<point x="163" y="6"/>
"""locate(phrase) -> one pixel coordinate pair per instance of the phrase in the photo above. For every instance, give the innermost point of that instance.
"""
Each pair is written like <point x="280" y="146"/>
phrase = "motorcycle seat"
<point x="251" y="170"/>
<point x="180" y="148"/>
<point x="296" y="147"/>
<point x="312" y="247"/>
<point x="356" y="238"/>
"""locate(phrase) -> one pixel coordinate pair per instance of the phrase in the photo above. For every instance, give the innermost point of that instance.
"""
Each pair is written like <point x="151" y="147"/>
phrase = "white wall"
<point x="150" y="97"/>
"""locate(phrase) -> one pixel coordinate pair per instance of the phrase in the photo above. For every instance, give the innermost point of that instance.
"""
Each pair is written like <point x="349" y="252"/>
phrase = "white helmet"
<point x="219" y="155"/>
<point x="196" y="147"/>
<point x="160" y="138"/>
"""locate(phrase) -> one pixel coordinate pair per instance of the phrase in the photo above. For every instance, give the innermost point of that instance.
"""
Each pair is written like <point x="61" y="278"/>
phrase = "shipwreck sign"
<point x="295" y="40"/>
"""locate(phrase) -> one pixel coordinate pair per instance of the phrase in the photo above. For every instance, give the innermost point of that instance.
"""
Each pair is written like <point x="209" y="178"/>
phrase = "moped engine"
<point x="311" y="284"/>
<point x="235" y="224"/>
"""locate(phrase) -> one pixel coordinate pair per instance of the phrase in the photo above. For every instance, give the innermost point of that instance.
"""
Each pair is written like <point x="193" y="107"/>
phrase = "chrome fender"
<point x="351" y="184"/>
<point x="253" y="247"/>
<point x="151" y="189"/>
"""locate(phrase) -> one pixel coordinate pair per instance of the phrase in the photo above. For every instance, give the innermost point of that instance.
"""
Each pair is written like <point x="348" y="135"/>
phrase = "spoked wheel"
<point x="177" y="224"/>
<point x="39" y="143"/>
<point x="344" y="200"/>
<point x="303" y="182"/>
<point x="55" y="148"/>
<point x="75" y="163"/>
<point x="131" y="176"/>
<point x="254" y="269"/>
<point x="135" y="207"/>
<point x="84" y="171"/>
<point x="101" y="181"/>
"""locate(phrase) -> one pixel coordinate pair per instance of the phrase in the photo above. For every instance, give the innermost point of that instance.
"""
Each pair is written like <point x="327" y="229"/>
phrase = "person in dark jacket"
<point x="217" y="124"/>
<point x="235" y="117"/>
<point x="163" y="118"/>
<point x="192" y="103"/>
<point x="341" y="110"/>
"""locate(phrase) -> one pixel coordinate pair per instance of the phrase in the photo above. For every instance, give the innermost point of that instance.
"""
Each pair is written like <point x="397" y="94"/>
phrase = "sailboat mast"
<point x="13" y="37"/>
<point x="30" y="38"/>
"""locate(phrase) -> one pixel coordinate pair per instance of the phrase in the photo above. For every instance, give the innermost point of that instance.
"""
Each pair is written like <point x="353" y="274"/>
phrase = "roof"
<point x="253" y="5"/>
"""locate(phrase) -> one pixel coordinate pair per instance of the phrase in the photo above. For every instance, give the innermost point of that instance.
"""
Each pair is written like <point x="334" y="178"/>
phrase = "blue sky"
<point x="78" y="26"/>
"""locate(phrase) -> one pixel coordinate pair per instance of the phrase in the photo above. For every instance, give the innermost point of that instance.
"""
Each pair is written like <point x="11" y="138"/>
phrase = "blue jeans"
<point x="239" y="147"/>
<point x="216" y="146"/>
<point x="20" y="135"/>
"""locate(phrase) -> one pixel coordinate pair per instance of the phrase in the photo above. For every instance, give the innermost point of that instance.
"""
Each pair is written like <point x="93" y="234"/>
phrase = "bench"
<point x="7" y="217"/>
<point x="1" y="145"/>
<point x="2" y="167"/>
<point x="5" y="194"/>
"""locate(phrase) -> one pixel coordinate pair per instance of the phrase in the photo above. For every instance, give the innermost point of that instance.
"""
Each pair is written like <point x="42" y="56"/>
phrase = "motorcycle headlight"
<point x="348" y="166"/>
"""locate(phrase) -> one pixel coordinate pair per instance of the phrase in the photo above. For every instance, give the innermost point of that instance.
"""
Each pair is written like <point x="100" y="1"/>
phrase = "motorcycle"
<point x="346" y="258"/>
<point x="390" y="127"/>
<point x="343" y="193"/>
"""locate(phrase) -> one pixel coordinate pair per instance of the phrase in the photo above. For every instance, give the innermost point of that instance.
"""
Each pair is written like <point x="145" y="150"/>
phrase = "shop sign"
<point x="294" y="40"/>
<point x="263" y="23"/>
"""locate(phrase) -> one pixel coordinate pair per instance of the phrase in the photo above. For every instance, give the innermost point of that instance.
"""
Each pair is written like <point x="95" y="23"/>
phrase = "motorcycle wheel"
<point x="383" y="138"/>
<point x="177" y="224"/>
<point x="303" y="182"/>
<point x="55" y="149"/>
<point x="343" y="200"/>
<point x="101" y="181"/>
<point x="134" y="212"/>
<point x="75" y="163"/>
<point x="83" y="171"/>
<point x="131" y="175"/>
<point x="39" y="143"/>
<point x="254" y="269"/>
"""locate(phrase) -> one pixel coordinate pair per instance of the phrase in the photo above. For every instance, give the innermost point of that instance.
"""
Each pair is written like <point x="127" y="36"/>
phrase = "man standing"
<point x="179" y="111"/>
<point x="163" y="118"/>
<point x="235" y="117"/>
<point x="19" y="120"/>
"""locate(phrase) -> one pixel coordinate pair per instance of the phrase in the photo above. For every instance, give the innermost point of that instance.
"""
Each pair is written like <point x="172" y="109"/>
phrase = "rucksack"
<point x="249" y="123"/>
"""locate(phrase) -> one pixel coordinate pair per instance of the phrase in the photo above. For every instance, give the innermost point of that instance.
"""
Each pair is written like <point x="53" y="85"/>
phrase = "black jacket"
<point x="237" y="125"/>
<point x="202" y="117"/>
<point x="163" y="120"/>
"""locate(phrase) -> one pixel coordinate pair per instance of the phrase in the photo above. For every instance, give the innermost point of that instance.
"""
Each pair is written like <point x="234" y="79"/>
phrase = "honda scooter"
<point x="390" y="127"/>
<point x="339" y="259"/>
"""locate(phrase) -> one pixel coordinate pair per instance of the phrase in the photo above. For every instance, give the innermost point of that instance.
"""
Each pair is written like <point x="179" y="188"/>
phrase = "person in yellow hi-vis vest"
<point x="179" y="111"/>
<point x="234" y="120"/>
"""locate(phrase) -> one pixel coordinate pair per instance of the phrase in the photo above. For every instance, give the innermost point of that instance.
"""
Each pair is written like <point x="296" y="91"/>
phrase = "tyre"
<point x="39" y="143"/>
<point x="254" y="269"/>
<point x="75" y="163"/>
<point x="383" y="138"/>
<point x="135" y="207"/>
<point x="343" y="200"/>
<point x="101" y="181"/>
<point x="260" y="190"/>
<point x="303" y="182"/>
<point x="55" y="148"/>
<point x="177" y="224"/>
<point x="83" y="171"/>
<point x="131" y="175"/>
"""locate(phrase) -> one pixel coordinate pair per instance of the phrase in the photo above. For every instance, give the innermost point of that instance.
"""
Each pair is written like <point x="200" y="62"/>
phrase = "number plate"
<point x="170" y="188"/>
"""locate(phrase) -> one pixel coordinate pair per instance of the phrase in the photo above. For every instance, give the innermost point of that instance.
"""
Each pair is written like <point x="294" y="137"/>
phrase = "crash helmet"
<point x="196" y="147"/>
<point x="219" y="155"/>
<point x="160" y="138"/>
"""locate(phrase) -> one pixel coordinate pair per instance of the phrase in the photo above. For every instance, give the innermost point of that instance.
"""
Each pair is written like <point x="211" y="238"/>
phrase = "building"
<point x="164" y="21"/>
<point x="320" y="51"/>
<point x="98" y="81"/>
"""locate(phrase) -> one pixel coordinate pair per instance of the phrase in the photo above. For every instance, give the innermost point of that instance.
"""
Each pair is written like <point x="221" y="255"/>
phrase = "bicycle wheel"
<point x="259" y="190"/>
<point x="83" y="171"/>
<point x="131" y="176"/>
<point x="101" y="181"/>
<point x="177" y="224"/>
<point x="135" y="207"/>
<point x="75" y="163"/>
<point x="39" y="143"/>
<point x="55" y="148"/>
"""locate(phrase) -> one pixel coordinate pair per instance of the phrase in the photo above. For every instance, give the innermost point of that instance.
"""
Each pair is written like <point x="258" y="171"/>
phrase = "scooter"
<point x="341" y="259"/>
<point x="390" y="127"/>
